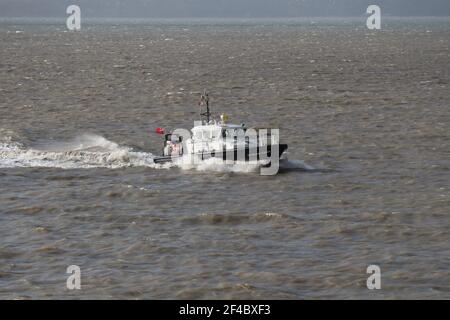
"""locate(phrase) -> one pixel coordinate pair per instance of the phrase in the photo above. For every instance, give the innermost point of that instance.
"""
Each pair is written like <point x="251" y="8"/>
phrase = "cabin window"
<point x="198" y="135"/>
<point x="175" y="138"/>
<point x="215" y="134"/>
<point x="226" y="133"/>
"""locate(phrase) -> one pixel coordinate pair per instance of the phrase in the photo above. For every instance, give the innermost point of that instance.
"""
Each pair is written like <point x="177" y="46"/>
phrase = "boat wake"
<point x="216" y="165"/>
<point x="291" y="165"/>
<point x="93" y="151"/>
<point x="83" y="152"/>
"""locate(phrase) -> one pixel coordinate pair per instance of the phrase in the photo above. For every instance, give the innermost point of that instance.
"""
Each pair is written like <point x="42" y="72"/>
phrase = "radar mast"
<point x="204" y="101"/>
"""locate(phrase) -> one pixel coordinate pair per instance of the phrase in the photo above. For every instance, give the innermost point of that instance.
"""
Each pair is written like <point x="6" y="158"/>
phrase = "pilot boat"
<point x="210" y="138"/>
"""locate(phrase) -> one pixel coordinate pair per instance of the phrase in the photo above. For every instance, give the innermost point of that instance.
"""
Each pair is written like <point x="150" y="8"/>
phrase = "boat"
<point x="219" y="139"/>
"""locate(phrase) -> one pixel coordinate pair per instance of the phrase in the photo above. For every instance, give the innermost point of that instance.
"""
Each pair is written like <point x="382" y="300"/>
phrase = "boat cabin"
<point x="217" y="131"/>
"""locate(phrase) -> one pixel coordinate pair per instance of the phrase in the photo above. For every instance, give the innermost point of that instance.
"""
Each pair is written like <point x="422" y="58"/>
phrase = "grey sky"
<point x="222" y="8"/>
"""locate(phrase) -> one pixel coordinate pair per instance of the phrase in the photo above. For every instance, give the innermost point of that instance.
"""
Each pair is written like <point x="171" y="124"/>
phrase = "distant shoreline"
<point x="217" y="20"/>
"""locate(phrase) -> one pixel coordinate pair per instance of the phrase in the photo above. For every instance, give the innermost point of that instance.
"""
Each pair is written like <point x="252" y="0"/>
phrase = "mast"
<point x="204" y="101"/>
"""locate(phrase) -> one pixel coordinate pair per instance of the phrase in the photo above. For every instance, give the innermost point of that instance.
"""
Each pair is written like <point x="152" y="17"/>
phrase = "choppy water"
<point x="365" y="114"/>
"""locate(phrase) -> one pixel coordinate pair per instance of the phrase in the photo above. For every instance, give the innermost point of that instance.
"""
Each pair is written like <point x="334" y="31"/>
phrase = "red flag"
<point x="159" y="130"/>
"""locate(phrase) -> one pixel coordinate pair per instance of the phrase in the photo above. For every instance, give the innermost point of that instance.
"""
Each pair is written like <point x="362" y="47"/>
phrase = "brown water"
<point x="365" y="114"/>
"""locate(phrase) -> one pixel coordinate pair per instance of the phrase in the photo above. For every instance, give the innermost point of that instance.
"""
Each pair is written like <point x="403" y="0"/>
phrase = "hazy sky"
<point x="222" y="8"/>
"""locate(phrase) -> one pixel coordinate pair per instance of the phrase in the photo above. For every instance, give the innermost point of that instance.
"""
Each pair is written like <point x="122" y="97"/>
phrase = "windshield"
<point x="215" y="134"/>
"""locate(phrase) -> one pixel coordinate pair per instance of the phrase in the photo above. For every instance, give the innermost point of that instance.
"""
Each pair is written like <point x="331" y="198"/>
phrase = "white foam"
<point x="86" y="151"/>
<point x="295" y="164"/>
<point x="216" y="165"/>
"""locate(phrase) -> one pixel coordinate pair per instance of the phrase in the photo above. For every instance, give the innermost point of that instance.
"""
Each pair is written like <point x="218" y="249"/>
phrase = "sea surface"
<point x="366" y="115"/>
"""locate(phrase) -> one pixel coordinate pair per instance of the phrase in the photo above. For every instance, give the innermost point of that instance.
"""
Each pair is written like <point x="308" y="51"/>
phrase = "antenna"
<point x="204" y="101"/>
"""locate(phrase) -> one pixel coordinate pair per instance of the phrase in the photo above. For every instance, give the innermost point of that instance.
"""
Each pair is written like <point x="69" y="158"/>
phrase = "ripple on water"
<point x="233" y="218"/>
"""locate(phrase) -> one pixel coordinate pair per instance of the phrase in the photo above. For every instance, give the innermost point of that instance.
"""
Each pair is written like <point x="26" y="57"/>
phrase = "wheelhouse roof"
<point x="217" y="126"/>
